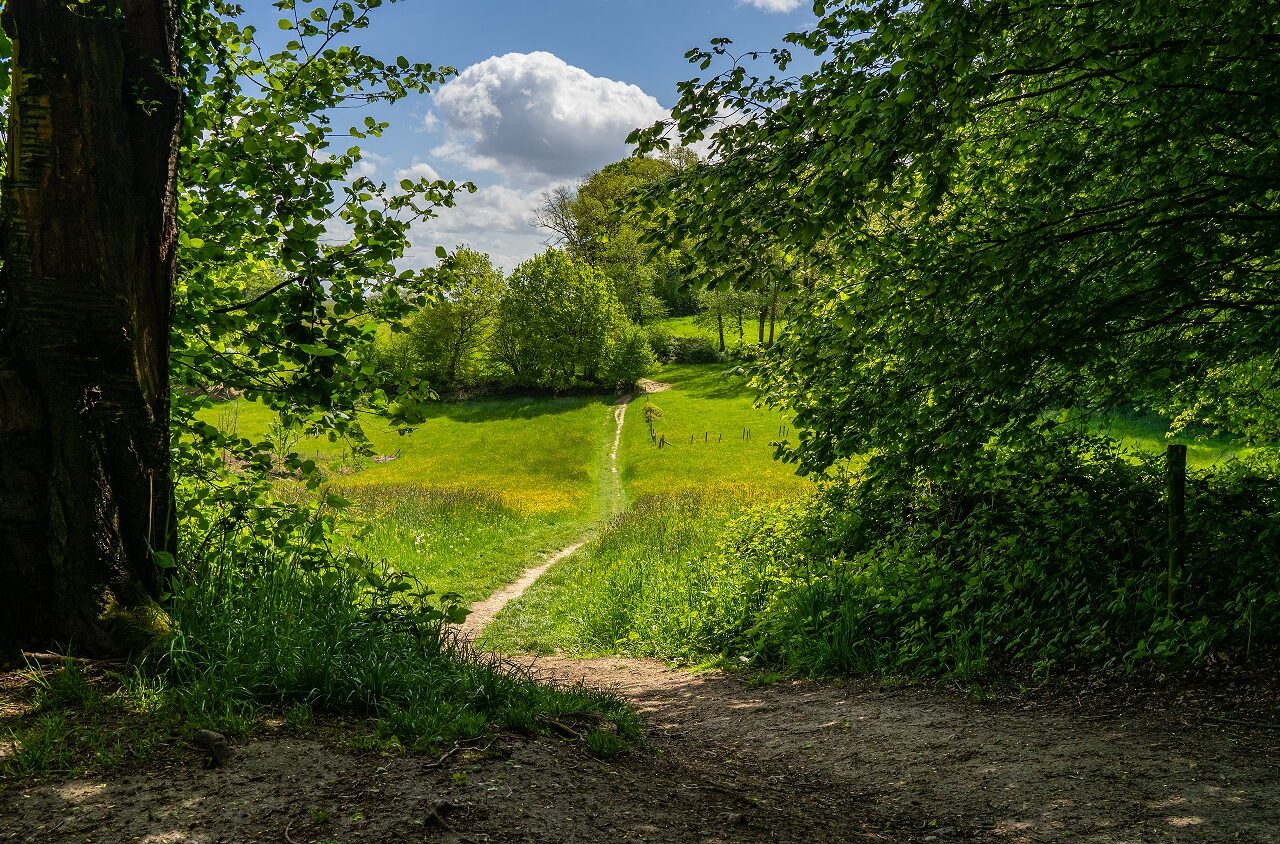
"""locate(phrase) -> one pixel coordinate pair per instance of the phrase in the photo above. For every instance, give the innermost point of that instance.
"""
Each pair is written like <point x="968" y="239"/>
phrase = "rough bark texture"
<point x="88" y="242"/>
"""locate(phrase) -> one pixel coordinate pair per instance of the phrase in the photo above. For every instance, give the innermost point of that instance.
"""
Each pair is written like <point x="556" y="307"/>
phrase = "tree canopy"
<point x="1022" y="207"/>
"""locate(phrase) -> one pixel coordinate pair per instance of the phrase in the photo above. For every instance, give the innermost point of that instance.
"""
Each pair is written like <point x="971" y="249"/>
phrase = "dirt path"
<point x="725" y="760"/>
<point x="483" y="612"/>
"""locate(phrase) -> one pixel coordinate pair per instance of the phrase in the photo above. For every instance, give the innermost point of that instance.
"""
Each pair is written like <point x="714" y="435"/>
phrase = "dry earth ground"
<point x="725" y="761"/>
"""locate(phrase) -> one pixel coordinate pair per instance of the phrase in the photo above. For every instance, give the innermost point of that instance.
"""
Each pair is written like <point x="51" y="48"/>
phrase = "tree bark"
<point x="88" y="239"/>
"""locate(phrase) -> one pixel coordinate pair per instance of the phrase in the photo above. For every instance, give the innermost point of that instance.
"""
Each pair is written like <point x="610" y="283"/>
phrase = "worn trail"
<point x="485" y="611"/>
<point x="935" y="765"/>
<point x="727" y="758"/>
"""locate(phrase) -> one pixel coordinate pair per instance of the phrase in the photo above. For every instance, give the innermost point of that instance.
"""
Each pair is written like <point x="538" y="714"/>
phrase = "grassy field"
<point x="704" y="417"/>
<point x="687" y="326"/>
<point x="627" y="591"/>
<point x="474" y="492"/>
<point x="633" y="590"/>
<point x="1149" y="433"/>
<point x="649" y="584"/>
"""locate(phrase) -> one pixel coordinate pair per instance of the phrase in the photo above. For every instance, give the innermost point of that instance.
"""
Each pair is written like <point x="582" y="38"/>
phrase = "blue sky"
<point x="547" y="91"/>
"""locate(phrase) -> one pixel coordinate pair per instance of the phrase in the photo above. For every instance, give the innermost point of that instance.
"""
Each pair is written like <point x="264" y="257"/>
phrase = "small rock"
<point x="215" y="745"/>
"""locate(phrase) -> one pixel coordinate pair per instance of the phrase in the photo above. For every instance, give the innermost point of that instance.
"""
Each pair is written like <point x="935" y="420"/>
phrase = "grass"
<point x="280" y="633"/>
<point x="1149" y="433"/>
<point x="535" y="454"/>
<point x="471" y="494"/>
<point x="704" y="417"/>
<point x="628" y="592"/>
<point x="458" y="541"/>
<point x="687" y="326"/>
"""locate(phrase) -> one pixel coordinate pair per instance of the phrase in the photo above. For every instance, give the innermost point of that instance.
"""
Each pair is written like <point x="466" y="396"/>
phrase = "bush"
<point x="1026" y="560"/>
<point x="627" y="359"/>
<point x="660" y="341"/>
<point x="693" y="350"/>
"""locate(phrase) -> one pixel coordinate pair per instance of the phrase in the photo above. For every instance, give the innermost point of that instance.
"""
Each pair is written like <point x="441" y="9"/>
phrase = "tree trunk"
<point x="88" y="243"/>
<point x="773" y="311"/>
<point x="720" y="328"/>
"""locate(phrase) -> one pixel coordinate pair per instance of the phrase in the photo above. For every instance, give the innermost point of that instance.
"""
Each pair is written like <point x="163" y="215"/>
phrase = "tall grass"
<point x="643" y="587"/>
<point x="340" y="634"/>
<point x="1031" y="561"/>
<point x="458" y="540"/>
<point x="271" y="616"/>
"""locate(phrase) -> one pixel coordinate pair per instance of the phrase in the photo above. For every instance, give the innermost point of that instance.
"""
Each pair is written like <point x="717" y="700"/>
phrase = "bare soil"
<point x="726" y="759"/>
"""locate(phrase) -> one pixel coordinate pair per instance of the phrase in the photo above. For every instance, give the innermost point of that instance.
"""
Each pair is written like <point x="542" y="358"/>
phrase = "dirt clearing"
<point x="725" y="761"/>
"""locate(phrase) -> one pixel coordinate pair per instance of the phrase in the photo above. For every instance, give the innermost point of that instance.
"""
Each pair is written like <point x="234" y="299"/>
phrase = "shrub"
<point x="693" y="350"/>
<point x="1046" y="557"/>
<point x="1026" y="560"/>
<point x="660" y="341"/>
<point x="627" y="359"/>
<point x="555" y="320"/>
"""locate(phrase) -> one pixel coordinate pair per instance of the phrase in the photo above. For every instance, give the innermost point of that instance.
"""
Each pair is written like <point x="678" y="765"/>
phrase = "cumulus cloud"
<point x="418" y="170"/>
<point x="533" y="118"/>
<point x="495" y="219"/>
<point x="369" y="164"/>
<point x="775" y="5"/>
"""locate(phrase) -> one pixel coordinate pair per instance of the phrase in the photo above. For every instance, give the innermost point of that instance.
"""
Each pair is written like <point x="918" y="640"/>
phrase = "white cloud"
<point x="775" y="5"/>
<point x="418" y="170"/>
<point x="369" y="163"/>
<point x="495" y="219"/>
<point x="533" y="118"/>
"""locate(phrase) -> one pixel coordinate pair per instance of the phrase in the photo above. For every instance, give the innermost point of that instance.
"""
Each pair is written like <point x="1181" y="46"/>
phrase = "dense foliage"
<point x="594" y="223"/>
<point x="446" y="342"/>
<point x="998" y="214"/>
<point x="1019" y="206"/>
<point x="1026" y="565"/>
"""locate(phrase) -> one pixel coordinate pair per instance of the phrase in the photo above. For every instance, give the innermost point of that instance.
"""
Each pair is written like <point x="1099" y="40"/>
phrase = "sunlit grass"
<point x="535" y="454"/>
<point x="472" y="494"/>
<point x="455" y="540"/>
<point x="688" y="326"/>
<point x="632" y="590"/>
<point x="1149" y="433"/>
<point x="706" y="417"/>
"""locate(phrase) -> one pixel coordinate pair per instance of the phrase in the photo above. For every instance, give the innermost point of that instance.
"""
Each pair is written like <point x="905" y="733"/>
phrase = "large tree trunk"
<point x="88" y="243"/>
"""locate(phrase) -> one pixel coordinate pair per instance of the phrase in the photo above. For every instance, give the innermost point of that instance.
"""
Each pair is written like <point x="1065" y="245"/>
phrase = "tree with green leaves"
<point x="172" y="204"/>
<point x="556" y="320"/>
<point x="446" y="341"/>
<point x="592" y="224"/>
<point x="1022" y="206"/>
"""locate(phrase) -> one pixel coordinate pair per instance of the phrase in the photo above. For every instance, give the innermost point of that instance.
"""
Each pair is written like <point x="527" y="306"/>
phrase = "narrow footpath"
<point x="726" y="758"/>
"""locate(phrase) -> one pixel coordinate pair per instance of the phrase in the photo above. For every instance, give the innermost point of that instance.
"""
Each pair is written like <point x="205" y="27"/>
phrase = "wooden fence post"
<point x="1176" y="459"/>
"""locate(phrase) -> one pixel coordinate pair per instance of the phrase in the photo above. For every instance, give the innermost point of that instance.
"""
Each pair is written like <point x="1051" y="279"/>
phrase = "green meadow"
<point x="469" y="496"/>
<point x="628" y="589"/>
<point x="714" y="436"/>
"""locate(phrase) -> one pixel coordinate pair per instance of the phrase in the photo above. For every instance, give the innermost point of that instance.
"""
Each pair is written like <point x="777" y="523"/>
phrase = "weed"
<point x="65" y="687"/>
<point x="605" y="744"/>
<point x="769" y="679"/>
<point x="300" y="718"/>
